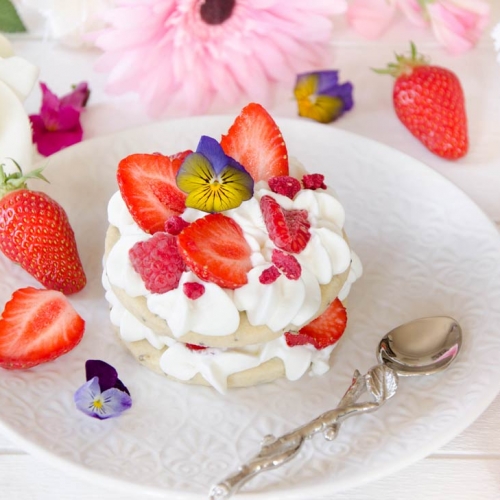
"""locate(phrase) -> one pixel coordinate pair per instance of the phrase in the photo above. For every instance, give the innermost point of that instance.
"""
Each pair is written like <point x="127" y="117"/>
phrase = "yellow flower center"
<point x="98" y="404"/>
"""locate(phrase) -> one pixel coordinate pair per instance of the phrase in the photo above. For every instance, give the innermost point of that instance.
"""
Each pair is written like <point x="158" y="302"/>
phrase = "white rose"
<point x="17" y="77"/>
<point x="70" y="20"/>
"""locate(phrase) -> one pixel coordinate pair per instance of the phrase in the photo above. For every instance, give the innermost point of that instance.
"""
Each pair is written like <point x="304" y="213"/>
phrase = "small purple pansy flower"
<point x="321" y="97"/>
<point x="213" y="181"/>
<point x="58" y="124"/>
<point x="103" y="395"/>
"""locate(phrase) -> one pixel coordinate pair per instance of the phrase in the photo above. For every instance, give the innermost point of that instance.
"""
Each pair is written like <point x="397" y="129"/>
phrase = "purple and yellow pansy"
<point x="321" y="97"/>
<point x="104" y="395"/>
<point x="213" y="181"/>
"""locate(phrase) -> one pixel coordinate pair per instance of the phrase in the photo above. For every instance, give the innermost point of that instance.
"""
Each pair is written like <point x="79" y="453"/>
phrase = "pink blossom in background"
<point x="495" y="34"/>
<point x="370" y="18"/>
<point x="58" y="124"/>
<point x="186" y="53"/>
<point x="457" y="24"/>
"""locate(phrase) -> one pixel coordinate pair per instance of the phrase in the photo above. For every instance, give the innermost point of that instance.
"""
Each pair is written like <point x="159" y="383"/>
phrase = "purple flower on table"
<point x="321" y="97"/>
<point x="58" y="124"/>
<point x="103" y="395"/>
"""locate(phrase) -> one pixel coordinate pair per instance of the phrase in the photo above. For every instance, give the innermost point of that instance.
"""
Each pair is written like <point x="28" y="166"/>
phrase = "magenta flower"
<point x="58" y="124"/>
<point x="104" y="395"/>
<point x="188" y="54"/>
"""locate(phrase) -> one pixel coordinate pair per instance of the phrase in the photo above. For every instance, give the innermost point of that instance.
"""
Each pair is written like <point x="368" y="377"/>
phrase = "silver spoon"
<point x="421" y="347"/>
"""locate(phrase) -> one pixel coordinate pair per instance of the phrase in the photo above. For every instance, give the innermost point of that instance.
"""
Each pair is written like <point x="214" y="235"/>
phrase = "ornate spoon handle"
<point x="380" y="382"/>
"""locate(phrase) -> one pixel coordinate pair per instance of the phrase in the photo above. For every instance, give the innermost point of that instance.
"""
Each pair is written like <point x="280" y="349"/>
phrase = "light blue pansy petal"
<point x="86" y="395"/>
<point x="115" y="402"/>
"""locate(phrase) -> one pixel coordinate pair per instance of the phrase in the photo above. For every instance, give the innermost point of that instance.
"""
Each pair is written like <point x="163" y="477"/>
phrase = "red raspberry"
<point x="195" y="347"/>
<point x="269" y="275"/>
<point x="287" y="264"/>
<point x="285" y="185"/>
<point x="175" y="225"/>
<point x="288" y="229"/>
<point x="158" y="262"/>
<point x="314" y="181"/>
<point x="193" y="290"/>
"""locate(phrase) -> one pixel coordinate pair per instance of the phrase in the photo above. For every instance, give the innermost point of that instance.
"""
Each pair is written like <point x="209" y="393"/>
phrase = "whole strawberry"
<point x="36" y="234"/>
<point x="429" y="101"/>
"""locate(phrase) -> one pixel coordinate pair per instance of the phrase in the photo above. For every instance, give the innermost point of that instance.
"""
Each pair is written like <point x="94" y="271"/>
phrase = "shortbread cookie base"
<point x="266" y="372"/>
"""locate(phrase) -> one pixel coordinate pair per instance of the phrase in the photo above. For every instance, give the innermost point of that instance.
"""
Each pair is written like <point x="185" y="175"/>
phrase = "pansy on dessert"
<point x="213" y="181"/>
<point x="228" y="266"/>
<point x="321" y="97"/>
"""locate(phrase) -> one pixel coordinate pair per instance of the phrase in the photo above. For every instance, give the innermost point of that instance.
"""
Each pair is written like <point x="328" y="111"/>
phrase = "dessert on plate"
<point x="228" y="265"/>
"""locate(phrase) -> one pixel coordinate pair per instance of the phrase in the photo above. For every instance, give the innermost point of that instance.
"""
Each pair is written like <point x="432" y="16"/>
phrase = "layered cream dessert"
<point x="228" y="266"/>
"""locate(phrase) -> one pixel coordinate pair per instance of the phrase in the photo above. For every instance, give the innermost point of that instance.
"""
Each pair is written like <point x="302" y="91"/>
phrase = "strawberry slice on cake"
<point x="148" y="188"/>
<point x="255" y="141"/>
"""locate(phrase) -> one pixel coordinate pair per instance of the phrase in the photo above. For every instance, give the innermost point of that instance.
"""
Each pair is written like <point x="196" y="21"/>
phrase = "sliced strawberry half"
<point x="37" y="326"/>
<point x="215" y="249"/>
<point x="288" y="229"/>
<point x="148" y="188"/>
<point x="255" y="141"/>
<point x="325" y="330"/>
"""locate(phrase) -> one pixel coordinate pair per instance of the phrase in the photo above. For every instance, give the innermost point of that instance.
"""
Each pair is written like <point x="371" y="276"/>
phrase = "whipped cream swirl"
<point x="281" y="303"/>
<point x="216" y="365"/>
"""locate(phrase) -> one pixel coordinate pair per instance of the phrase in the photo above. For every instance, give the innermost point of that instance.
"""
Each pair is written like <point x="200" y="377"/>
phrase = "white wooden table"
<point x="469" y="466"/>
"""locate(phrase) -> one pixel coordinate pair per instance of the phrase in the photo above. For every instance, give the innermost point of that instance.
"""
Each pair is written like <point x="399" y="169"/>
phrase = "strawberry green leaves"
<point x="213" y="181"/>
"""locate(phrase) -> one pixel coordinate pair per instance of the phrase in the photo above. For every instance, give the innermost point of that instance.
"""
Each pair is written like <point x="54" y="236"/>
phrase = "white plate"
<point x="427" y="250"/>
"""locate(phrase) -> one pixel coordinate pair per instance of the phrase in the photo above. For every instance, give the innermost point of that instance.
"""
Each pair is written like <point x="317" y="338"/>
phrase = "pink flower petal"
<point x="413" y="12"/>
<point x="458" y="24"/>
<point x="61" y="118"/>
<point x="58" y="124"/>
<point x="51" y="142"/>
<point x="78" y="97"/>
<point x="167" y="54"/>
<point x="370" y="18"/>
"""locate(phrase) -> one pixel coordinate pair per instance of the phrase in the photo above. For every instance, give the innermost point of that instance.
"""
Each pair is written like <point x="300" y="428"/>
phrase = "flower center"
<point x="216" y="11"/>
<point x="97" y="404"/>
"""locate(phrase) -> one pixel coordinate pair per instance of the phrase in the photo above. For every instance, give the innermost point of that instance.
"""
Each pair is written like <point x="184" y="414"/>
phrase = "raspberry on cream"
<point x="277" y="304"/>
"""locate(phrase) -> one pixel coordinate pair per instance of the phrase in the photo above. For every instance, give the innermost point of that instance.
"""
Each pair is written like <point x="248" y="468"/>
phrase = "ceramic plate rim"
<point x="90" y="474"/>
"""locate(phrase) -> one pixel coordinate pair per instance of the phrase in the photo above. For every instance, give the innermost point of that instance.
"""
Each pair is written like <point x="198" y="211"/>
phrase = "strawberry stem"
<point x="404" y="64"/>
<point x="17" y="180"/>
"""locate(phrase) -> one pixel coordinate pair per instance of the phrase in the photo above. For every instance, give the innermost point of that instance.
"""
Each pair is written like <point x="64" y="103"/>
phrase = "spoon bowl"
<point x="421" y="347"/>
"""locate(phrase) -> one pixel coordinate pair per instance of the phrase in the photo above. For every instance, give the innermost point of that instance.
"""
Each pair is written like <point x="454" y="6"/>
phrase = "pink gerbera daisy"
<point x="185" y="53"/>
